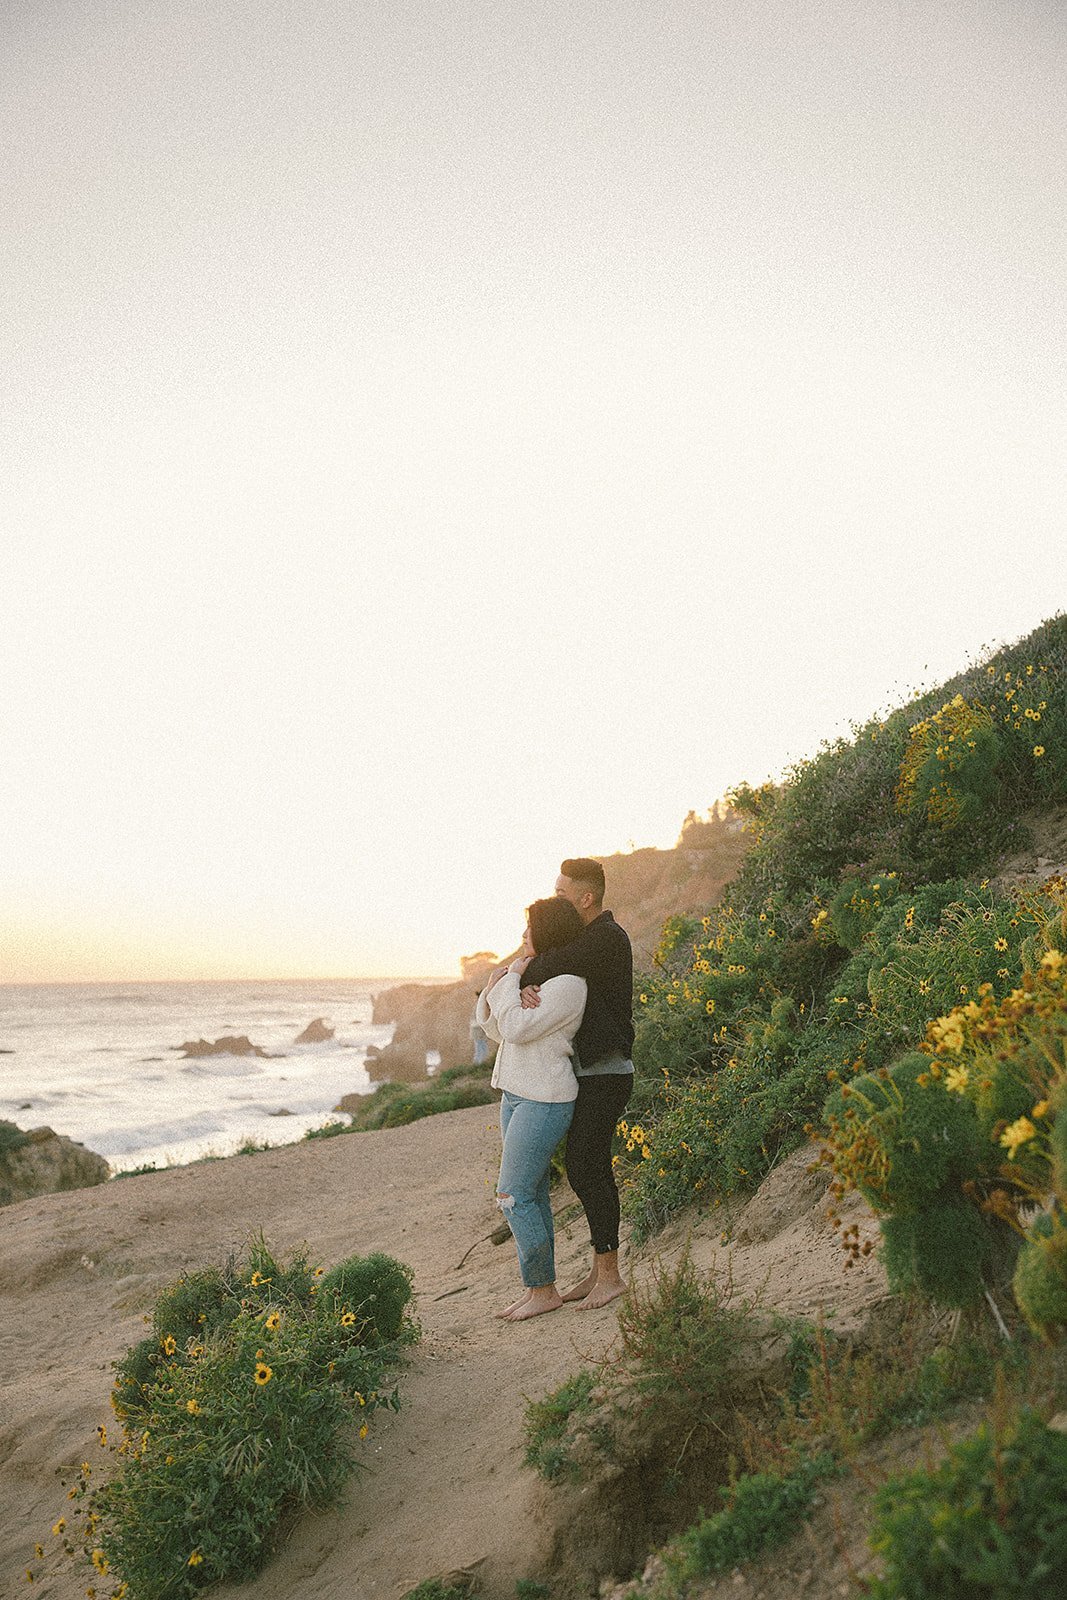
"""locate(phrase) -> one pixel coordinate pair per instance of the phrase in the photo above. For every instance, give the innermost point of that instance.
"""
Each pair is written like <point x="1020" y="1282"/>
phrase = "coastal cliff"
<point x="40" y="1161"/>
<point x="644" y="888"/>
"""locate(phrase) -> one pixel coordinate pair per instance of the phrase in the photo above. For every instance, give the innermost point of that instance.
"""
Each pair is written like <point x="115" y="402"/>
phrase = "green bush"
<point x="394" y="1105"/>
<point x="1040" y="1280"/>
<point x="990" y="1521"/>
<point x="376" y="1290"/>
<point x="761" y="1510"/>
<point x="239" y="1409"/>
<point x="944" y="1251"/>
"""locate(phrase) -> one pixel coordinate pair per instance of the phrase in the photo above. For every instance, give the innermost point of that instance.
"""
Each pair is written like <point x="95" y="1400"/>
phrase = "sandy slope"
<point x="445" y="1487"/>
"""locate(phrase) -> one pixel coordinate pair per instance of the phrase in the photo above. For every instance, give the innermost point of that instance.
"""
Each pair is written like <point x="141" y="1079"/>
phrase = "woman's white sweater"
<point x="534" y="1059"/>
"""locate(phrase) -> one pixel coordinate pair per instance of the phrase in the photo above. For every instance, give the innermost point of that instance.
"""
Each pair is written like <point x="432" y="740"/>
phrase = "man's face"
<point x="579" y="895"/>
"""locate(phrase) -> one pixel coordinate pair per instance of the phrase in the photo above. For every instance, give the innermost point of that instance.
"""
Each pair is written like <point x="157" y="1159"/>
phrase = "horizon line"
<point x="370" y="977"/>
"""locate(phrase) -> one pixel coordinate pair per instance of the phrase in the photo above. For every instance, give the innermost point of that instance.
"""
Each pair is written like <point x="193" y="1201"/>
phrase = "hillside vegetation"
<point x="866" y="907"/>
<point x="875" y="980"/>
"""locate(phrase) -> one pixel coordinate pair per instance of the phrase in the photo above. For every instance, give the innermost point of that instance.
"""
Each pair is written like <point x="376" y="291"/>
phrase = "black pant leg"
<point x="601" y="1102"/>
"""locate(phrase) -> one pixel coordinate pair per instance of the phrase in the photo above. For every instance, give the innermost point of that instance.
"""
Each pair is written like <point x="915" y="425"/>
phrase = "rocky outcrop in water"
<point x="40" y="1161"/>
<point x="316" y="1032"/>
<point x="228" y="1045"/>
<point x="428" y="1017"/>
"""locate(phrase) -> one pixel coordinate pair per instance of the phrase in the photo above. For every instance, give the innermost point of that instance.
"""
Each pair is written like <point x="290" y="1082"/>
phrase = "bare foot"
<point x="580" y="1290"/>
<point x="514" y="1306"/>
<point x="602" y="1295"/>
<point x="539" y="1300"/>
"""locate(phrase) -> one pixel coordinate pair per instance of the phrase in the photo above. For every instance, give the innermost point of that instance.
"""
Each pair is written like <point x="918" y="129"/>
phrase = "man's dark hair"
<point x="582" y="869"/>
<point x="553" y="923"/>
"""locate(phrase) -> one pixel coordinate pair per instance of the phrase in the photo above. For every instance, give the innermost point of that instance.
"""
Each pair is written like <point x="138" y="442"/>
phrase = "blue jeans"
<point x="531" y="1130"/>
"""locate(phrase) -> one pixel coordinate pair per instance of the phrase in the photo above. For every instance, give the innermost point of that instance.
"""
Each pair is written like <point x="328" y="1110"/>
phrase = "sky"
<point x="440" y="437"/>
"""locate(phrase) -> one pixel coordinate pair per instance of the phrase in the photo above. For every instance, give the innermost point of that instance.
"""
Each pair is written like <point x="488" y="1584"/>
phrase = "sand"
<point x="445" y="1488"/>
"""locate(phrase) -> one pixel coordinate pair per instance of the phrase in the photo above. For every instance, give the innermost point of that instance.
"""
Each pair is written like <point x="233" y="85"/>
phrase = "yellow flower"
<point x="168" y="1345"/>
<point x="646" y="1152"/>
<point x="257" y="1279"/>
<point x="364" y="1430"/>
<point x="957" y="1079"/>
<point x="710" y="1007"/>
<point x="347" y="1319"/>
<point x="193" y="1407"/>
<point x="1017" y="1133"/>
<point x="1051" y="961"/>
<point x="643" y="999"/>
<point x="38" y="1550"/>
<point x="99" y="1560"/>
<point x="1039" y="750"/>
<point x="672" y="999"/>
<point x="318" y="1272"/>
<point x="195" y="1559"/>
<point x="1041" y="1109"/>
<point x="263" y="1373"/>
<point x="924" y="986"/>
<point x="273" y="1320"/>
<point x="57" y="1527"/>
<point x="357" y="1396"/>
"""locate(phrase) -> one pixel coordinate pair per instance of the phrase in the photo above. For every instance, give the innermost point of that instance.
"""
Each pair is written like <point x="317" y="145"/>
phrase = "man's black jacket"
<point x="603" y="957"/>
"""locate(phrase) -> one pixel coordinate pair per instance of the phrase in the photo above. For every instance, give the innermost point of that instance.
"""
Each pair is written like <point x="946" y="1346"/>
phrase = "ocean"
<point x="102" y="1062"/>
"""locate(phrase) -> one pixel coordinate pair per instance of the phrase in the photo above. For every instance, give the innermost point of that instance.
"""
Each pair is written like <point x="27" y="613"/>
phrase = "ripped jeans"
<point x="531" y="1130"/>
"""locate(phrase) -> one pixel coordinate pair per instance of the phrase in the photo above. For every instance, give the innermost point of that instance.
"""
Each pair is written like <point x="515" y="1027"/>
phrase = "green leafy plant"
<point x="761" y="1510"/>
<point x="991" y="1520"/>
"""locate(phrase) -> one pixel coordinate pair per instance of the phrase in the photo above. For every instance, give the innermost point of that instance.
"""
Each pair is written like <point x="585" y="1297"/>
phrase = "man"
<point x="603" y="957"/>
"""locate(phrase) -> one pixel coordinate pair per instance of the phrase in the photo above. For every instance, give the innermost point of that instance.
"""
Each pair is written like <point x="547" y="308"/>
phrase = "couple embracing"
<point x="562" y="1014"/>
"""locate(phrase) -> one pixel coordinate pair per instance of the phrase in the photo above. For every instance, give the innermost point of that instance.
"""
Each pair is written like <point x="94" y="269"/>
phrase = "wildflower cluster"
<point x="238" y="1407"/>
<point x="949" y="767"/>
<point x="955" y="1140"/>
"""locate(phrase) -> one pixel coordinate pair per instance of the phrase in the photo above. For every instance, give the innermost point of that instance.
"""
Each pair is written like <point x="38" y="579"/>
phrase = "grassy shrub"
<point x="11" y="1138"/>
<point x="239" y="1410"/>
<point x="546" y="1427"/>
<point x="841" y="1397"/>
<point x="760" y="1510"/>
<point x="394" y="1105"/>
<point x="681" y="1338"/>
<point x="670" y="1389"/>
<point x="990" y="1521"/>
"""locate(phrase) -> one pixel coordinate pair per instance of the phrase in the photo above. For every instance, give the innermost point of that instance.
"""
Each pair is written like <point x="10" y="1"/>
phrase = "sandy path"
<point x="445" y="1487"/>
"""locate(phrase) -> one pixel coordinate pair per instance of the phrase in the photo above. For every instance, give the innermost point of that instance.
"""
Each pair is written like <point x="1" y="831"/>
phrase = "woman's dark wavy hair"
<point x="553" y="923"/>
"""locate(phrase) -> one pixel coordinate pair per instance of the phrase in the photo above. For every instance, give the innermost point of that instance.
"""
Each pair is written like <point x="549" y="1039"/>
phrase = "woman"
<point x="534" y="1072"/>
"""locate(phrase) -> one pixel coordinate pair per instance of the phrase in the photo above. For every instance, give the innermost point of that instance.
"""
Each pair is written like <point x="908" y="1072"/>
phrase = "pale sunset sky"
<point x="438" y="437"/>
